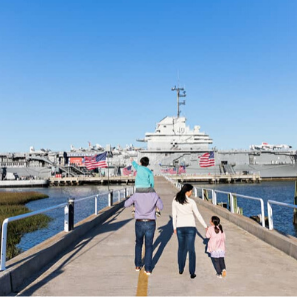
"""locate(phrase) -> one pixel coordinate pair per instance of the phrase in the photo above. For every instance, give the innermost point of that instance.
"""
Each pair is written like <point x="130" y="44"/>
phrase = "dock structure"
<point x="95" y="180"/>
<point x="102" y="180"/>
<point x="101" y="261"/>
<point x="219" y="178"/>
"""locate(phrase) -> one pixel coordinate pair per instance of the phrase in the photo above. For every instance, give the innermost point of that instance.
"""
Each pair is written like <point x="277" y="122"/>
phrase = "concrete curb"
<point x="285" y="243"/>
<point x="28" y="263"/>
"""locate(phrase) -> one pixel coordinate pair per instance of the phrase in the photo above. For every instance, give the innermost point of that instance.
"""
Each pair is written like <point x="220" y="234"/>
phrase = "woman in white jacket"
<point x="184" y="210"/>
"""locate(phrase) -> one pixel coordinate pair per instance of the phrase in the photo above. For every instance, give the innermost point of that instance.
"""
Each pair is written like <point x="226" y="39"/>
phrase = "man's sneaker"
<point x="137" y="268"/>
<point x="219" y="275"/>
<point x="158" y="213"/>
<point x="148" y="272"/>
<point x="224" y="273"/>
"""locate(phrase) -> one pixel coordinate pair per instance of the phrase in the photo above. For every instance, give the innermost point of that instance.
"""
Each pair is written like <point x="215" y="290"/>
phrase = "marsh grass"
<point x="13" y="204"/>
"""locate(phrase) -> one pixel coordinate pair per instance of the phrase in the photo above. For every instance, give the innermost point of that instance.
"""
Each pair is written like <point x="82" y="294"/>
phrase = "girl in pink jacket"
<point x="216" y="245"/>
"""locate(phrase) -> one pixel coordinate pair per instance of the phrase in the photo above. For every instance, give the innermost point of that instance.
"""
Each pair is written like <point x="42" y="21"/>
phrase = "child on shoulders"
<point x="144" y="181"/>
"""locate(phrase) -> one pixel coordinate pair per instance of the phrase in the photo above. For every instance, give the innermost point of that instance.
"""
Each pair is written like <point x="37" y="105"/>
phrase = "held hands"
<point x="174" y="231"/>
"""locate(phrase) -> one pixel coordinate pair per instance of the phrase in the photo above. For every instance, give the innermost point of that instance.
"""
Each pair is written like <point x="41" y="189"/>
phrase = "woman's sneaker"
<point x="137" y="268"/>
<point x="224" y="273"/>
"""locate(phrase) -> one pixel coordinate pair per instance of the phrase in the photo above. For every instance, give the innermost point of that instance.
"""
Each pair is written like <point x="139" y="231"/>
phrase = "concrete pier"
<point x="101" y="262"/>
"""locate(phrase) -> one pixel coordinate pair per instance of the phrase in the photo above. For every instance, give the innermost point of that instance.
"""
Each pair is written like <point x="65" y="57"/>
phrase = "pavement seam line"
<point x="142" y="284"/>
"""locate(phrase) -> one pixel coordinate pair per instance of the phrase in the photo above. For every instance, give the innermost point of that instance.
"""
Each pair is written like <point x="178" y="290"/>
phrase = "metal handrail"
<point x="19" y="217"/>
<point x="214" y="201"/>
<point x="65" y="205"/>
<point x="269" y="210"/>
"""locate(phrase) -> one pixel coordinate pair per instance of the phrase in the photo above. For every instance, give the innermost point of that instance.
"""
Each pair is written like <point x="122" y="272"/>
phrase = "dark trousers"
<point x="219" y="264"/>
<point x="186" y="243"/>
<point x="146" y="231"/>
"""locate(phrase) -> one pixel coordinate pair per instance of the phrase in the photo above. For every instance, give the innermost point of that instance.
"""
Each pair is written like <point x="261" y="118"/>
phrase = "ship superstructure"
<point x="172" y="133"/>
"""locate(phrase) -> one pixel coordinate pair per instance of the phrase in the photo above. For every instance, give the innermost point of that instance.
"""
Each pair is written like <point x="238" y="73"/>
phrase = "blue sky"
<point x="102" y="71"/>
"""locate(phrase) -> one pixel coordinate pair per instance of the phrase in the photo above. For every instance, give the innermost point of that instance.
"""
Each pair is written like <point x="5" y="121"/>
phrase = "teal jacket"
<point x="144" y="177"/>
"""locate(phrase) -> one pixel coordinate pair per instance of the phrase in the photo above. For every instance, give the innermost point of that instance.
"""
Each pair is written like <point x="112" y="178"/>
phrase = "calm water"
<point x="282" y="191"/>
<point x="279" y="191"/>
<point x="59" y="195"/>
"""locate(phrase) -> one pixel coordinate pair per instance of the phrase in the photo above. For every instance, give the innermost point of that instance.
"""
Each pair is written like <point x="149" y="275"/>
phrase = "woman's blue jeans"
<point x="186" y="243"/>
<point x="144" y="230"/>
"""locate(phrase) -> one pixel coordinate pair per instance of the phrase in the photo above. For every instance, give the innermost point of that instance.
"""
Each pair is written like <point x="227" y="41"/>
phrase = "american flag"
<point x="169" y="170"/>
<point x="207" y="160"/>
<point x="96" y="161"/>
<point x="127" y="170"/>
<point x="182" y="169"/>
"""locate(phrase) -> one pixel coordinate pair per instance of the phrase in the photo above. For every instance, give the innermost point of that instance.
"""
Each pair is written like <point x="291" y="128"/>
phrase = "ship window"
<point x="164" y="126"/>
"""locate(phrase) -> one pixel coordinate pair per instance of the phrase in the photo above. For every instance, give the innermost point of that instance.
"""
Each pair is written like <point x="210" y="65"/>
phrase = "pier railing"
<point x="232" y="210"/>
<point x="269" y="210"/>
<point x="68" y="214"/>
<point x="231" y="195"/>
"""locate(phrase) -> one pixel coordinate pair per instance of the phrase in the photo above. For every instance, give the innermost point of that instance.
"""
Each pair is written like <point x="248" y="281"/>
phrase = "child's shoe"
<point x="224" y="273"/>
<point x="158" y="213"/>
<point x="133" y="213"/>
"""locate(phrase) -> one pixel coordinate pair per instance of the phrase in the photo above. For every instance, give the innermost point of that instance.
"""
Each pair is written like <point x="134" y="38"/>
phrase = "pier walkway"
<point x="102" y="263"/>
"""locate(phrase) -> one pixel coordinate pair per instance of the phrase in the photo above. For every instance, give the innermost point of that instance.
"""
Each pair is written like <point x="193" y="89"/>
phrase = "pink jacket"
<point x="216" y="240"/>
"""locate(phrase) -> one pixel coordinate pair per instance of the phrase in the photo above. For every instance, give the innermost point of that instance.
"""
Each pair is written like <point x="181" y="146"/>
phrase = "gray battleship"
<point x="172" y="148"/>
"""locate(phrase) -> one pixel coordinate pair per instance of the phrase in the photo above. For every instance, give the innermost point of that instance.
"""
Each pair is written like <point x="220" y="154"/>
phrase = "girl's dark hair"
<point x="144" y="161"/>
<point x="216" y="222"/>
<point x="181" y="195"/>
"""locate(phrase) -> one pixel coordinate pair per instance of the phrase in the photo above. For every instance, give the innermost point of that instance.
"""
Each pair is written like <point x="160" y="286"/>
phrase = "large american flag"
<point x="207" y="160"/>
<point x="96" y="161"/>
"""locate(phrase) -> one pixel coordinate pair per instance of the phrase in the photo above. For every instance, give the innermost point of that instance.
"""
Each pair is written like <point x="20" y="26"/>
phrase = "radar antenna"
<point x="179" y="94"/>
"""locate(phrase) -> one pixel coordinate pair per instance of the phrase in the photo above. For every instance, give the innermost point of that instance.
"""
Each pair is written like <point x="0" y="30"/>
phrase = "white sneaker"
<point x="148" y="272"/>
<point x="219" y="276"/>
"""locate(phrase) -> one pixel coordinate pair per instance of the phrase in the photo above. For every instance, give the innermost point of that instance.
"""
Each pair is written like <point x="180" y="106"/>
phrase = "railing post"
<point x="262" y="213"/>
<point x="66" y="218"/>
<point x="119" y="196"/>
<point x="110" y="198"/>
<point x="96" y="204"/>
<point x="195" y="192"/>
<point x="295" y="202"/>
<point x="270" y="216"/>
<point x="231" y="203"/>
<point x="214" y="197"/>
<point x="125" y="193"/>
<point x="71" y="213"/>
<point x="202" y="194"/>
<point x="3" y="244"/>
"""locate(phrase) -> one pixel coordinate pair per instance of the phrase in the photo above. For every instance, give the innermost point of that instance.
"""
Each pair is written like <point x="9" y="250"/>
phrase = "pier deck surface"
<point x="103" y="263"/>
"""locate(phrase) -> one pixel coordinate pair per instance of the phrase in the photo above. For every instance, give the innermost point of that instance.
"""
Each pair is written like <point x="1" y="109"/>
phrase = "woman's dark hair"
<point x="216" y="222"/>
<point x="144" y="161"/>
<point x="181" y="195"/>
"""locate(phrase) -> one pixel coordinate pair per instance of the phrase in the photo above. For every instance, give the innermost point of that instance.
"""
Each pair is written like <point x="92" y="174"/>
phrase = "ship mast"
<point x="178" y="89"/>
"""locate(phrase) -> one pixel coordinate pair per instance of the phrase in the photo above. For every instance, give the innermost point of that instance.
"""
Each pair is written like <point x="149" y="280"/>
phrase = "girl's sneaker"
<point x="224" y="273"/>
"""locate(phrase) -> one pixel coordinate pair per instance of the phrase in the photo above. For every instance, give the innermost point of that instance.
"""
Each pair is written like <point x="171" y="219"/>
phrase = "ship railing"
<point x="269" y="210"/>
<point x="68" y="220"/>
